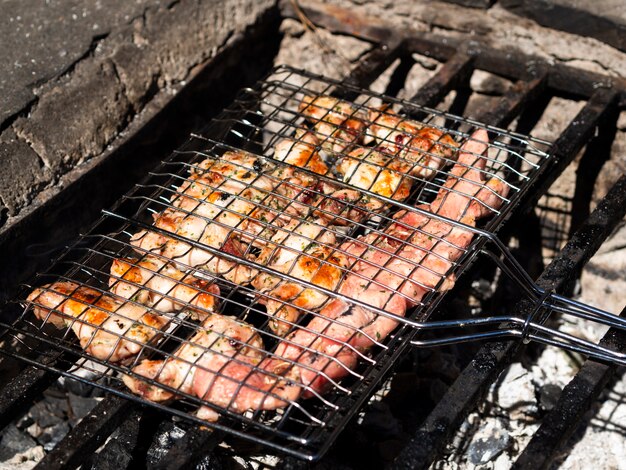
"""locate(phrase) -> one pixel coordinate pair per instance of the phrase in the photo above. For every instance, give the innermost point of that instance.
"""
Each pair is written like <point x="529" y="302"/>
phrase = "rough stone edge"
<point x="572" y="19"/>
<point x="166" y="44"/>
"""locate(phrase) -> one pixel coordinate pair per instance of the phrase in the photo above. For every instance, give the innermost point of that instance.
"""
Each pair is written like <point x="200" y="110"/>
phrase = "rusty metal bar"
<point x="573" y="139"/>
<point x="511" y="104"/>
<point x="509" y="63"/>
<point x="456" y="71"/>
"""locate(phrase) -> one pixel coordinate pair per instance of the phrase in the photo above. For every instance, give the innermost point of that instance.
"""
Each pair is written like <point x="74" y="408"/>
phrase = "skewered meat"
<point x="107" y="327"/>
<point x="157" y="284"/>
<point x="425" y="149"/>
<point x="338" y="124"/>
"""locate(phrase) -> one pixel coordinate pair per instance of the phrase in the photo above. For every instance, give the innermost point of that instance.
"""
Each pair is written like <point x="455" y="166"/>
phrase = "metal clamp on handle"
<point x="527" y="330"/>
<point x="531" y="325"/>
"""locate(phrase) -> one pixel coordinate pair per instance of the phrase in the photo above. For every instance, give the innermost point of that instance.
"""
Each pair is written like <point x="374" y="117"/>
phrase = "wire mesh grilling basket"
<point x="265" y="277"/>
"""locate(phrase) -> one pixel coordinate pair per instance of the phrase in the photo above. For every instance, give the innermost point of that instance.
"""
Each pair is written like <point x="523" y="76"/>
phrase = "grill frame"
<point x="561" y="78"/>
<point x="332" y="422"/>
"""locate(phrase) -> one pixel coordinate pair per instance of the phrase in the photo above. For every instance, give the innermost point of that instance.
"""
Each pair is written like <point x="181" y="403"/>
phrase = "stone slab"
<point x="122" y="58"/>
<point x="22" y="173"/>
<point x="604" y="20"/>
<point x="40" y="40"/>
<point x="76" y="121"/>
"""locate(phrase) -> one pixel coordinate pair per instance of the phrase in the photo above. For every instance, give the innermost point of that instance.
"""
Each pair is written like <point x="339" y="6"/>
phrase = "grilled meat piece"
<point x="107" y="327"/>
<point x="425" y="149"/>
<point x="301" y="152"/>
<point x="160" y="285"/>
<point x="217" y="207"/>
<point x="213" y="365"/>
<point x="376" y="172"/>
<point x="392" y="271"/>
<point x="338" y="124"/>
<point x="304" y="250"/>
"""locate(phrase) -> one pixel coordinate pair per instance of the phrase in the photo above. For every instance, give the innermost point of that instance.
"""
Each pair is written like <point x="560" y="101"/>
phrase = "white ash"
<point x="319" y="51"/>
<point x="43" y="426"/>
<point x="604" y="278"/>
<point x="601" y="443"/>
<point x="515" y="394"/>
<point x="18" y="451"/>
<point x="522" y="395"/>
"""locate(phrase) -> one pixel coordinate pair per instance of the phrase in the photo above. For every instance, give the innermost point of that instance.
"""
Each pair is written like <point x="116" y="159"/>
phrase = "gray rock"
<point x="489" y="442"/>
<point x="22" y="173"/>
<point x="138" y="70"/>
<point x="14" y="441"/>
<point x="77" y="75"/>
<point x="43" y="39"/>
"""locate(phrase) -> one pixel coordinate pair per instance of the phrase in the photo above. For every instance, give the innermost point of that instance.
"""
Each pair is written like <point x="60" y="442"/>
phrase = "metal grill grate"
<point x="327" y="209"/>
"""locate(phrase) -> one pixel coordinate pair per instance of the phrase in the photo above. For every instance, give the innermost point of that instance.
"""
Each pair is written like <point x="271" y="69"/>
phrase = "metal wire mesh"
<point x="233" y="286"/>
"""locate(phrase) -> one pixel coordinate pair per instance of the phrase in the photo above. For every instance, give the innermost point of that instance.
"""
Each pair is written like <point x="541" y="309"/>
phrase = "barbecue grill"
<point x="256" y="121"/>
<point x="304" y="428"/>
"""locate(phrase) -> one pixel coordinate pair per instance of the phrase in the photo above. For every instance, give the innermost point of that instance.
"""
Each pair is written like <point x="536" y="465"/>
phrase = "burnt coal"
<point x="489" y="442"/>
<point x="549" y="396"/>
<point x="16" y="443"/>
<point x="166" y="437"/>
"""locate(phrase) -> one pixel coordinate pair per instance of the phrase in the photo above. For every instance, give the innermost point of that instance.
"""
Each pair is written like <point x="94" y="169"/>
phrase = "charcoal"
<point x="14" y="441"/>
<point x="549" y="396"/>
<point x="489" y="442"/>
<point x="165" y="438"/>
<point x="79" y="407"/>
<point x="52" y="435"/>
<point x="49" y="412"/>
<point x="380" y="421"/>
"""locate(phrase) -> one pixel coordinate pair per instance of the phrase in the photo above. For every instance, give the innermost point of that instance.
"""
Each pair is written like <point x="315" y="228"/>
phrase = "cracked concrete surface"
<point x="42" y="40"/>
<point x="73" y="76"/>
